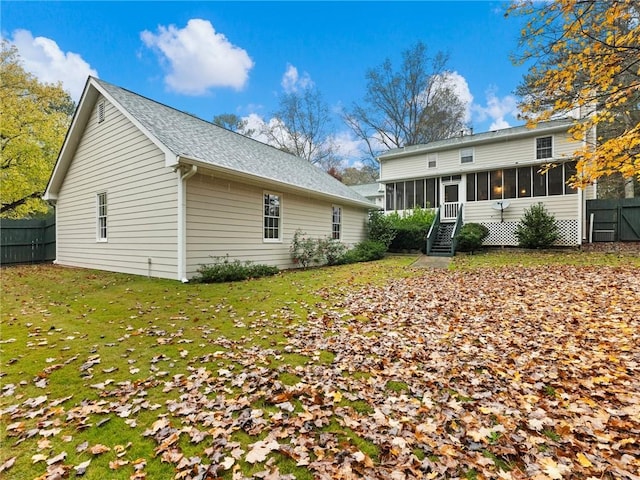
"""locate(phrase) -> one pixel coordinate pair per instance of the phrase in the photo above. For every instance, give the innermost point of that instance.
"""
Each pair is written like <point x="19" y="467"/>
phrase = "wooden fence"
<point x="614" y="220"/>
<point x="27" y="241"/>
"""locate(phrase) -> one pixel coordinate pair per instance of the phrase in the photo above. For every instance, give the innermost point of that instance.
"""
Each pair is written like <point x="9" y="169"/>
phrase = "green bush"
<point x="411" y="229"/>
<point x="225" y="270"/>
<point x="331" y="250"/>
<point x="381" y="228"/>
<point x="471" y="236"/>
<point x="304" y="250"/>
<point x="365" y="251"/>
<point x="537" y="229"/>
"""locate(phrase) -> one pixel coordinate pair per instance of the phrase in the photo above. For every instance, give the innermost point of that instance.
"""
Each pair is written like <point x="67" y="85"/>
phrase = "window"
<point x="483" y="185"/>
<point x="524" y="182"/>
<point x="544" y="148"/>
<point x="509" y="183"/>
<point x="432" y="160"/>
<point x="432" y="193"/>
<point x="399" y="196"/>
<point x="569" y="171"/>
<point x="471" y="187"/>
<point x="101" y="112"/>
<point x="272" y="217"/>
<point x="389" y="205"/>
<point x="336" y="223"/>
<point x="539" y="183"/>
<point x="409" y="193"/>
<point x="420" y="193"/>
<point x="101" y="211"/>
<point x="554" y="175"/>
<point x="466" y="155"/>
<point x="496" y="185"/>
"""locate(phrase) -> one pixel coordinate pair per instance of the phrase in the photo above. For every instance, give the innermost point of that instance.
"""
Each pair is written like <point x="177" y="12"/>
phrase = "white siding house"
<point x="491" y="178"/>
<point x="142" y="188"/>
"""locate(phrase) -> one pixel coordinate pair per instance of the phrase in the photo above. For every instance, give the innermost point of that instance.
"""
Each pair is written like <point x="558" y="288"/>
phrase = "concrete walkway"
<point x="425" y="261"/>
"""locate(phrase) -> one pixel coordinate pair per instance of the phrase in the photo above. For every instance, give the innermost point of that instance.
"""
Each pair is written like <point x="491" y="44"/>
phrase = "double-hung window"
<point x="272" y="217"/>
<point x="466" y="155"/>
<point x="101" y="216"/>
<point x="336" y="223"/>
<point x="544" y="148"/>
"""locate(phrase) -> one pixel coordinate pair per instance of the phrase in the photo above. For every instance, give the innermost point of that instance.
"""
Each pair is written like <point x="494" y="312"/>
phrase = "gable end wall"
<point x="116" y="158"/>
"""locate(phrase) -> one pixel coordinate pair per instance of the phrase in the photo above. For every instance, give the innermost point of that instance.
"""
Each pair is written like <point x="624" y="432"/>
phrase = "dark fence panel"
<point x="27" y="241"/>
<point x="615" y="220"/>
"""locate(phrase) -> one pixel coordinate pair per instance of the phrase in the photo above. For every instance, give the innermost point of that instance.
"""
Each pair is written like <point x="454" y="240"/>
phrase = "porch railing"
<point x="456" y="228"/>
<point x="433" y="231"/>
<point x="450" y="210"/>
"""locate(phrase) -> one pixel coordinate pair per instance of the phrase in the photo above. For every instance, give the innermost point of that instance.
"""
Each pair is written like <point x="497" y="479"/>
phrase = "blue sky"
<point x="209" y="58"/>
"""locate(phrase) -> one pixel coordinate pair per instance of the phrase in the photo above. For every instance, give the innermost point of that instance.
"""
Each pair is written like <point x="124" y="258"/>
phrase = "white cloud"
<point x="198" y="58"/>
<point x="43" y="58"/>
<point x="292" y="81"/>
<point x="497" y="109"/>
<point x="461" y="88"/>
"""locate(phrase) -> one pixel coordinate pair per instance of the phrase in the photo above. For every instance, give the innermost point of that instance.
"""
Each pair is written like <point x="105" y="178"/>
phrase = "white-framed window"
<point x="544" y="148"/>
<point x="101" y="217"/>
<point x="272" y="204"/>
<point x="101" y="112"/>
<point x="336" y="223"/>
<point x="466" y="155"/>
<point x="432" y="160"/>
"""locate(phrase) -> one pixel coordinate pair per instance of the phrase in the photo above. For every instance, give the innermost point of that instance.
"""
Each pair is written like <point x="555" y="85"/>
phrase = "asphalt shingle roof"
<point x="191" y="137"/>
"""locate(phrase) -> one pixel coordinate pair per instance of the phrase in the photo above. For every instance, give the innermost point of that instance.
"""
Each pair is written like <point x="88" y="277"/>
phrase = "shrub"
<point x="304" y="250"/>
<point x="364" y="252"/>
<point x="381" y="228"/>
<point x="224" y="270"/>
<point x="537" y="229"/>
<point x="331" y="250"/>
<point x="411" y="229"/>
<point x="471" y="236"/>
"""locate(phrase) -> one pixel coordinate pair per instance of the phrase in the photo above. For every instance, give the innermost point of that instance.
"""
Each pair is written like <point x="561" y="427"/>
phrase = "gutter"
<point x="183" y="176"/>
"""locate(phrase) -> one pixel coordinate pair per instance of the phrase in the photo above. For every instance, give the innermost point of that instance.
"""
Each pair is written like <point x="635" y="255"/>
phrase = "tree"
<point x="34" y="120"/>
<point x="585" y="57"/>
<point x="412" y="105"/>
<point x="302" y="127"/>
<point x="359" y="176"/>
<point x="538" y="228"/>
<point x="233" y="122"/>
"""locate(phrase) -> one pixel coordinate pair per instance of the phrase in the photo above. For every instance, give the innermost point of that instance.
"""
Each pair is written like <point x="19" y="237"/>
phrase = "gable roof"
<point x="493" y="136"/>
<point x="185" y="138"/>
<point x="368" y="190"/>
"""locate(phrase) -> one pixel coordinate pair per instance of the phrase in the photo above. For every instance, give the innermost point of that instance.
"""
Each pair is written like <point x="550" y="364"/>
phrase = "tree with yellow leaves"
<point x="584" y="56"/>
<point x="34" y="118"/>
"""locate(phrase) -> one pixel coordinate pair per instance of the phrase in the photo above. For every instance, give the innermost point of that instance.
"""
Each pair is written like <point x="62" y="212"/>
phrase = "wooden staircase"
<point x="442" y="245"/>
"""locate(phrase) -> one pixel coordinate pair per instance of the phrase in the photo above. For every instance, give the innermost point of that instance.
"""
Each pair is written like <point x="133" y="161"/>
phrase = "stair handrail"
<point x="434" y="228"/>
<point x="457" y="226"/>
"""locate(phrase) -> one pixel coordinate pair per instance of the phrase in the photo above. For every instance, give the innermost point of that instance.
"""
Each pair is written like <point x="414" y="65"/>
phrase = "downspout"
<point x="182" y="221"/>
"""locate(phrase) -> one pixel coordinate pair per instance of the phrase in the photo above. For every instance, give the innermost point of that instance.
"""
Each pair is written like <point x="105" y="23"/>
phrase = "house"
<point x="374" y="192"/>
<point x="490" y="178"/>
<point x="142" y="188"/>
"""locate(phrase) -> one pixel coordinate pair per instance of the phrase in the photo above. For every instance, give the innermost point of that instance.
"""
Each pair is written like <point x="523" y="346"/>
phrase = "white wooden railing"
<point x="450" y="210"/>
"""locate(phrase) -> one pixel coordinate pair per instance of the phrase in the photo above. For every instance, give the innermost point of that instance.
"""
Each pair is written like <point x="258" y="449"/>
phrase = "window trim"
<point x="102" y="217"/>
<point x="336" y="234"/>
<point x="266" y="239"/>
<point x="537" y="149"/>
<point x="432" y="158"/>
<point x="467" y="150"/>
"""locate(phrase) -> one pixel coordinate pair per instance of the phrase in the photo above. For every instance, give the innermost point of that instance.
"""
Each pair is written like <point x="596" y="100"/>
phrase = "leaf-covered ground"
<point x="501" y="372"/>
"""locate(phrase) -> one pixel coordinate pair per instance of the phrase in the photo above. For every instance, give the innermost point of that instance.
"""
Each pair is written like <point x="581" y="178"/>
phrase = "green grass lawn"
<point x="297" y="374"/>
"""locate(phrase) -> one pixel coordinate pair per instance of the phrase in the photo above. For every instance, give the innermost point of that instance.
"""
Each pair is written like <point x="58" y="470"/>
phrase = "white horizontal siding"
<point x="225" y="217"/>
<point x="563" y="207"/>
<point x="116" y="158"/>
<point x="504" y="153"/>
